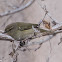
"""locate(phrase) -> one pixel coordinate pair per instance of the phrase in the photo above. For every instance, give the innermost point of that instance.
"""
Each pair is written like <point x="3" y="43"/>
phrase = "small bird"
<point x="20" y="31"/>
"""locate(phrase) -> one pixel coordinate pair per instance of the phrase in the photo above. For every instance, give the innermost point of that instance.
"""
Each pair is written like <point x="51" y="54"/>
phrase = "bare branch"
<point x="5" y="36"/>
<point x="39" y="42"/>
<point x="17" y="9"/>
<point x="56" y="27"/>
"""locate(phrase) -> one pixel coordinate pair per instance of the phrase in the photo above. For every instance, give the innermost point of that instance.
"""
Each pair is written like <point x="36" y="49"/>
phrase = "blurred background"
<point x="50" y="51"/>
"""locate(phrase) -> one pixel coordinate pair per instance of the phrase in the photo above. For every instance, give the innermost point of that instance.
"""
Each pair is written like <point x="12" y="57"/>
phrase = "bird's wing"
<point x="20" y="26"/>
<point x="25" y="26"/>
<point x="9" y="28"/>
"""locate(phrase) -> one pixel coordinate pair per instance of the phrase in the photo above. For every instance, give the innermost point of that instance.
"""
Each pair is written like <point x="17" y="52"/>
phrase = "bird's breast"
<point x="21" y="35"/>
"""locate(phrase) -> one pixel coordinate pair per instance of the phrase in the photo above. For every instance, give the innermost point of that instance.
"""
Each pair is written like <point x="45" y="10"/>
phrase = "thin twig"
<point x="48" y="58"/>
<point x="43" y="17"/>
<point x="53" y="20"/>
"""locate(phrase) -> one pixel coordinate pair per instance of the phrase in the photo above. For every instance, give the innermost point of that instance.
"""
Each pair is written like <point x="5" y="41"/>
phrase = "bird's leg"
<point x="23" y="45"/>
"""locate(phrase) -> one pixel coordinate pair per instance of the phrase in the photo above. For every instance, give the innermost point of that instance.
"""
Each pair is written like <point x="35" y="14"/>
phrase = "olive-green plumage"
<point x="21" y="30"/>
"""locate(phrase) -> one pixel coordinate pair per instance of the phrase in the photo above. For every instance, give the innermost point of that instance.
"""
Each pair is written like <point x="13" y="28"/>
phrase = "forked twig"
<point x="54" y="21"/>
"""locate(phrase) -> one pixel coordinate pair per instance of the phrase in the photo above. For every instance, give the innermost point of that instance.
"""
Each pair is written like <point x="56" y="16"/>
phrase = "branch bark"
<point x="39" y="42"/>
<point x="57" y="26"/>
<point x="17" y="9"/>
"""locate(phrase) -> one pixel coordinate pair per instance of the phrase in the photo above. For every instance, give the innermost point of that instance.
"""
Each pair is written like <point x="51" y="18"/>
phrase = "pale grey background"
<point x="33" y="14"/>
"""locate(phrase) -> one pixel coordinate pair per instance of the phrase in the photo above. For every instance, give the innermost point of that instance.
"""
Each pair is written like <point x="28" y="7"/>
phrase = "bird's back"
<point x="20" y="26"/>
